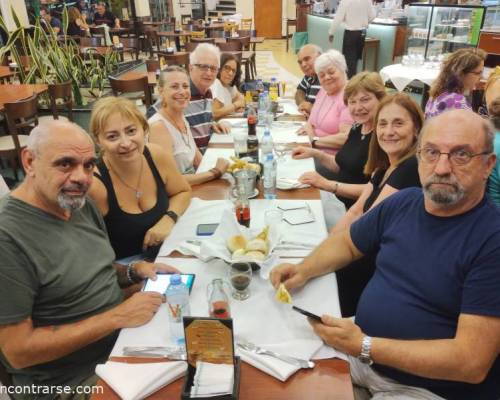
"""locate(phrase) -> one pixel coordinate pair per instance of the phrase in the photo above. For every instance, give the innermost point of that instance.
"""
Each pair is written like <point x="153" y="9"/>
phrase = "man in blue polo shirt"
<point x="48" y="19"/>
<point x="429" y="319"/>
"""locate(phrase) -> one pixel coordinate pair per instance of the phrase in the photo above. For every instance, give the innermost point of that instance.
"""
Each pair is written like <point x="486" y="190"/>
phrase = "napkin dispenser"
<point x="210" y="340"/>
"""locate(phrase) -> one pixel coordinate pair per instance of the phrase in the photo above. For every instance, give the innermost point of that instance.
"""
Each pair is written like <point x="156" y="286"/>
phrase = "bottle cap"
<point x="175" y="279"/>
<point x="269" y="157"/>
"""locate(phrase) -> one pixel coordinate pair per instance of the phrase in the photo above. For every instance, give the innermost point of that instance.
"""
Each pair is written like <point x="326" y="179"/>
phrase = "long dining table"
<point x="330" y="378"/>
<point x="11" y="92"/>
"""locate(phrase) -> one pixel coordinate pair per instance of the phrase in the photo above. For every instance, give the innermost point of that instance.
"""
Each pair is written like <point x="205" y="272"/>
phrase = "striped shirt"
<point x="199" y="115"/>
<point x="310" y="86"/>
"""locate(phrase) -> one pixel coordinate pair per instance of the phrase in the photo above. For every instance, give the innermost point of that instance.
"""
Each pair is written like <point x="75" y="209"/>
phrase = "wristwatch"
<point x="314" y="140"/>
<point x="366" y="346"/>
<point x="172" y="215"/>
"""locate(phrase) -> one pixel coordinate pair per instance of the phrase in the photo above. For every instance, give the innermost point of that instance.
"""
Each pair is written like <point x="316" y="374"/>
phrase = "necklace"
<point x="184" y="135"/>
<point x="138" y="192"/>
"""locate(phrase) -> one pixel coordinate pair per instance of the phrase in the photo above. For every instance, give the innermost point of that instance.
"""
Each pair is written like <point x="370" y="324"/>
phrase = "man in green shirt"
<point x="62" y="305"/>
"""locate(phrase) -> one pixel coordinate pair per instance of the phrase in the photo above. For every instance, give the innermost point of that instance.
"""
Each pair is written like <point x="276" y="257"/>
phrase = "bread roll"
<point x="238" y="255"/>
<point x="236" y="242"/>
<point x="255" y="255"/>
<point x="257" y="245"/>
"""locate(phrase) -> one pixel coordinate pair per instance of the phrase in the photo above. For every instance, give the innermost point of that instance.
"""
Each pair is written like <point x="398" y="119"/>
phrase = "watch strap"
<point x="172" y="215"/>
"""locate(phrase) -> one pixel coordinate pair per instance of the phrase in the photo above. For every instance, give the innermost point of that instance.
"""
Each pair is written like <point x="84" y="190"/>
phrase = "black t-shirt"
<point x="405" y="175"/>
<point x="107" y="18"/>
<point x="351" y="160"/>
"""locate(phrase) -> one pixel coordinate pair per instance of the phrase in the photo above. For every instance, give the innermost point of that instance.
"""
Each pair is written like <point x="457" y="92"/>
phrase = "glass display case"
<point x="440" y="29"/>
<point x="492" y="19"/>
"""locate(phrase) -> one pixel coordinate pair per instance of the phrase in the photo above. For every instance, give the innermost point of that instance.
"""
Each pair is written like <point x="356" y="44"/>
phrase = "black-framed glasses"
<point x="228" y="68"/>
<point x="207" y="67"/>
<point x="456" y="157"/>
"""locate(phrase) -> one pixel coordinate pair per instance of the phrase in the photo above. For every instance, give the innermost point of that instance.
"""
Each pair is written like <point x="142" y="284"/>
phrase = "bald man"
<point x="62" y="304"/>
<point x="309" y="85"/>
<point x="429" y="319"/>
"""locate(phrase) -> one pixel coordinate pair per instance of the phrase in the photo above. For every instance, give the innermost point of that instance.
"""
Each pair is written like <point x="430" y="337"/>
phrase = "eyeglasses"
<point x="456" y="157"/>
<point x="206" y="67"/>
<point x="228" y="68"/>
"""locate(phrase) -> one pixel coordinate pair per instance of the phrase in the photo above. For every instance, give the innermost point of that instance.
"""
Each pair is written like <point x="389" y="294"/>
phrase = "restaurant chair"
<point x="185" y="19"/>
<point x="246" y="24"/>
<point x="230" y="46"/>
<point x="132" y="88"/>
<point x="125" y="24"/>
<point x="133" y="46"/>
<point x="26" y="61"/>
<point x="63" y="93"/>
<point x="216" y="33"/>
<point x="289" y="22"/>
<point x="198" y="35"/>
<point x="22" y="117"/>
<point x="97" y="31"/>
<point x="181" y="59"/>
<point x="190" y="46"/>
<point x="90" y="42"/>
<point x="203" y="40"/>
<point x="244" y="40"/>
<point x="153" y="42"/>
<point x="152" y="65"/>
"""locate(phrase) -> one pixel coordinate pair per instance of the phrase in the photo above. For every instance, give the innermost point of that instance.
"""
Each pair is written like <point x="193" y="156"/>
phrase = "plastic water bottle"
<point x="266" y="144"/>
<point x="177" y="295"/>
<point x="260" y="86"/>
<point x="270" y="171"/>
<point x="262" y="110"/>
<point x="273" y="90"/>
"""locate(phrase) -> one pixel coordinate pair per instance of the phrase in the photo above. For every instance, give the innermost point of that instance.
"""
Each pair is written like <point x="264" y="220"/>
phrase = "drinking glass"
<point x="240" y="137"/>
<point x="273" y="219"/>
<point x="240" y="276"/>
<point x="280" y="149"/>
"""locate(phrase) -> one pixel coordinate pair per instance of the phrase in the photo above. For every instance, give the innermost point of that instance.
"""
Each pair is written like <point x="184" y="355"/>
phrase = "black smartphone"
<point x="307" y="313"/>
<point x="206" y="229"/>
<point x="163" y="280"/>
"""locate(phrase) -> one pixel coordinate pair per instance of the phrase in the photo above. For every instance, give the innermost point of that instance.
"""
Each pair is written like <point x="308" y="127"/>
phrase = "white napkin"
<point x="300" y="348"/>
<point x="137" y="381"/>
<point x="288" y="184"/>
<point x="212" y="379"/>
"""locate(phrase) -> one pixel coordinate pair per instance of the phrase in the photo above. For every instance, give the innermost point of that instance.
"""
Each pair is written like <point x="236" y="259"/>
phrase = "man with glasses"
<point x="429" y="319"/>
<point x="309" y="86"/>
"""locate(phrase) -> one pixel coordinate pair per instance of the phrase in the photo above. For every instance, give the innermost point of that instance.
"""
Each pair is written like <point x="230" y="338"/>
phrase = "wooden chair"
<point x="139" y="85"/>
<point x="244" y="40"/>
<point x="289" y="23"/>
<point x="153" y="40"/>
<point x="246" y="24"/>
<point x="190" y="46"/>
<point x="229" y="27"/>
<point x="97" y="31"/>
<point x="26" y="61"/>
<point x="203" y="40"/>
<point x="63" y="92"/>
<point x="230" y="46"/>
<point x="90" y="41"/>
<point x="133" y="44"/>
<point x="181" y="59"/>
<point x="200" y="35"/>
<point x="152" y="65"/>
<point x="185" y="19"/>
<point x="216" y="33"/>
<point x="22" y="116"/>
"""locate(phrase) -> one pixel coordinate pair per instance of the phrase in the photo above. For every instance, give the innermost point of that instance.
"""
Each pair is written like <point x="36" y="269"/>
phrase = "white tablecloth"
<point x="259" y="319"/>
<point x="401" y="75"/>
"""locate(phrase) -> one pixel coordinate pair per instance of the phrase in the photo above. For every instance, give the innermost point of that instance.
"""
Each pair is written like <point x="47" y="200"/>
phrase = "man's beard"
<point x="449" y="195"/>
<point x="72" y="203"/>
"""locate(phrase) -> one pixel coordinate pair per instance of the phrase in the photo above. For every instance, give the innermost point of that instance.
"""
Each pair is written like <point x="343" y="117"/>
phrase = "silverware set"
<point x="172" y="353"/>
<point x="253" y="348"/>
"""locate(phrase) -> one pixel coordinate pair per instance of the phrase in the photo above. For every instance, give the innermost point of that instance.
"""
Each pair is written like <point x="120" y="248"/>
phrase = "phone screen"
<point x="206" y="229"/>
<point x="307" y="313"/>
<point x="163" y="280"/>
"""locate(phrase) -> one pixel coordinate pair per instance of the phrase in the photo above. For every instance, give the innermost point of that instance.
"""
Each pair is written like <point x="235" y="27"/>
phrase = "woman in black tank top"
<point x="137" y="187"/>
<point x="393" y="166"/>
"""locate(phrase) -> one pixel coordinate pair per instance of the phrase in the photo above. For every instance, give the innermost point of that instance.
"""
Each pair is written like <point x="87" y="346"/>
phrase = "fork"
<point x="248" y="346"/>
<point x="172" y="353"/>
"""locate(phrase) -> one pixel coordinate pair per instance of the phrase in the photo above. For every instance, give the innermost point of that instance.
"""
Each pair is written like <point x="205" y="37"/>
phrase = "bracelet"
<point x="217" y="173"/>
<point x="132" y="276"/>
<point x="335" y="188"/>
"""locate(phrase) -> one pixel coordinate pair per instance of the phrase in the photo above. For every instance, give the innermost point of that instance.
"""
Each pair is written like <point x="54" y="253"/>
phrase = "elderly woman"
<point x="362" y="95"/>
<point x="393" y="166"/>
<point x="459" y="75"/>
<point x="492" y="95"/>
<point x="138" y="189"/>
<point x="227" y="98"/>
<point x="171" y="131"/>
<point x="330" y="121"/>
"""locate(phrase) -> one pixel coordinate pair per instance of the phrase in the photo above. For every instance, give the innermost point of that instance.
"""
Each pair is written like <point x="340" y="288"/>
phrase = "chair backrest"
<point x="119" y="86"/>
<point x="244" y="32"/>
<point x="152" y="65"/>
<point x="244" y="40"/>
<point x="246" y="24"/>
<point x="125" y="24"/>
<point x="230" y="46"/>
<point x="190" y="46"/>
<point x="198" y="35"/>
<point x="97" y="31"/>
<point x="62" y="91"/>
<point x="153" y="41"/>
<point x="203" y="40"/>
<point x="185" y="19"/>
<point x="216" y="33"/>
<point x="131" y="42"/>
<point x="181" y="58"/>
<point x="25" y="61"/>
<point x="90" y="41"/>
<point x="22" y="116"/>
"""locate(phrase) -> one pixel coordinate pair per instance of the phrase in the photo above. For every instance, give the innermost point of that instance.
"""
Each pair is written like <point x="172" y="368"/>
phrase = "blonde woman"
<point x="138" y="188"/>
<point x="76" y="23"/>
<point x="171" y="131"/>
<point x="492" y="96"/>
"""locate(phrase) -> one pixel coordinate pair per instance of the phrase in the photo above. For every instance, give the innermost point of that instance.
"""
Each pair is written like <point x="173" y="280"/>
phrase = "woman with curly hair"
<point x="459" y="75"/>
<point x="227" y="98"/>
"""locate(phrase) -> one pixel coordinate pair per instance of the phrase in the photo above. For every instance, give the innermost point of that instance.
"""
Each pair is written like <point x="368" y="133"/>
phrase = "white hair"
<point x="315" y="47"/>
<point x="41" y="133"/>
<point x="202" y="49"/>
<point x="330" y="58"/>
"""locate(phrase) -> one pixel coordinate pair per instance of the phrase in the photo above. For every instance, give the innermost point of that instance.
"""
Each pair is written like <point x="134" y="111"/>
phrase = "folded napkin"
<point x="300" y="348"/>
<point x="137" y="381"/>
<point x="287" y="184"/>
<point x="212" y="379"/>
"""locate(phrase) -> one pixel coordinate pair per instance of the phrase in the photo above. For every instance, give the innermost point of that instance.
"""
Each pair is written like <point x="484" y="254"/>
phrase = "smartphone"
<point x="206" y="229"/>
<point x="163" y="280"/>
<point x="307" y="313"/>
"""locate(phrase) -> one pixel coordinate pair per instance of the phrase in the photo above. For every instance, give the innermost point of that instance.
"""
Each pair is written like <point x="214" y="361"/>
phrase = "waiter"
<point x="356" y="15"/>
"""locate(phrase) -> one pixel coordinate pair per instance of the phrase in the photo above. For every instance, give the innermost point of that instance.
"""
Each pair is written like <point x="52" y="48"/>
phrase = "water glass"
<point x="273" y="219"/>
<point x="240" y="137"/>
<point x="281" y="149"/>
<point x="240" y="276"/>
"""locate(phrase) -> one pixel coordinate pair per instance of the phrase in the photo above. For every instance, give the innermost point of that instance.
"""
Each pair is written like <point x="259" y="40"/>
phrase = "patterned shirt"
<point x="199" y="115"/>
<point x="310" y="86"/>
<point x="446" y="101"/>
